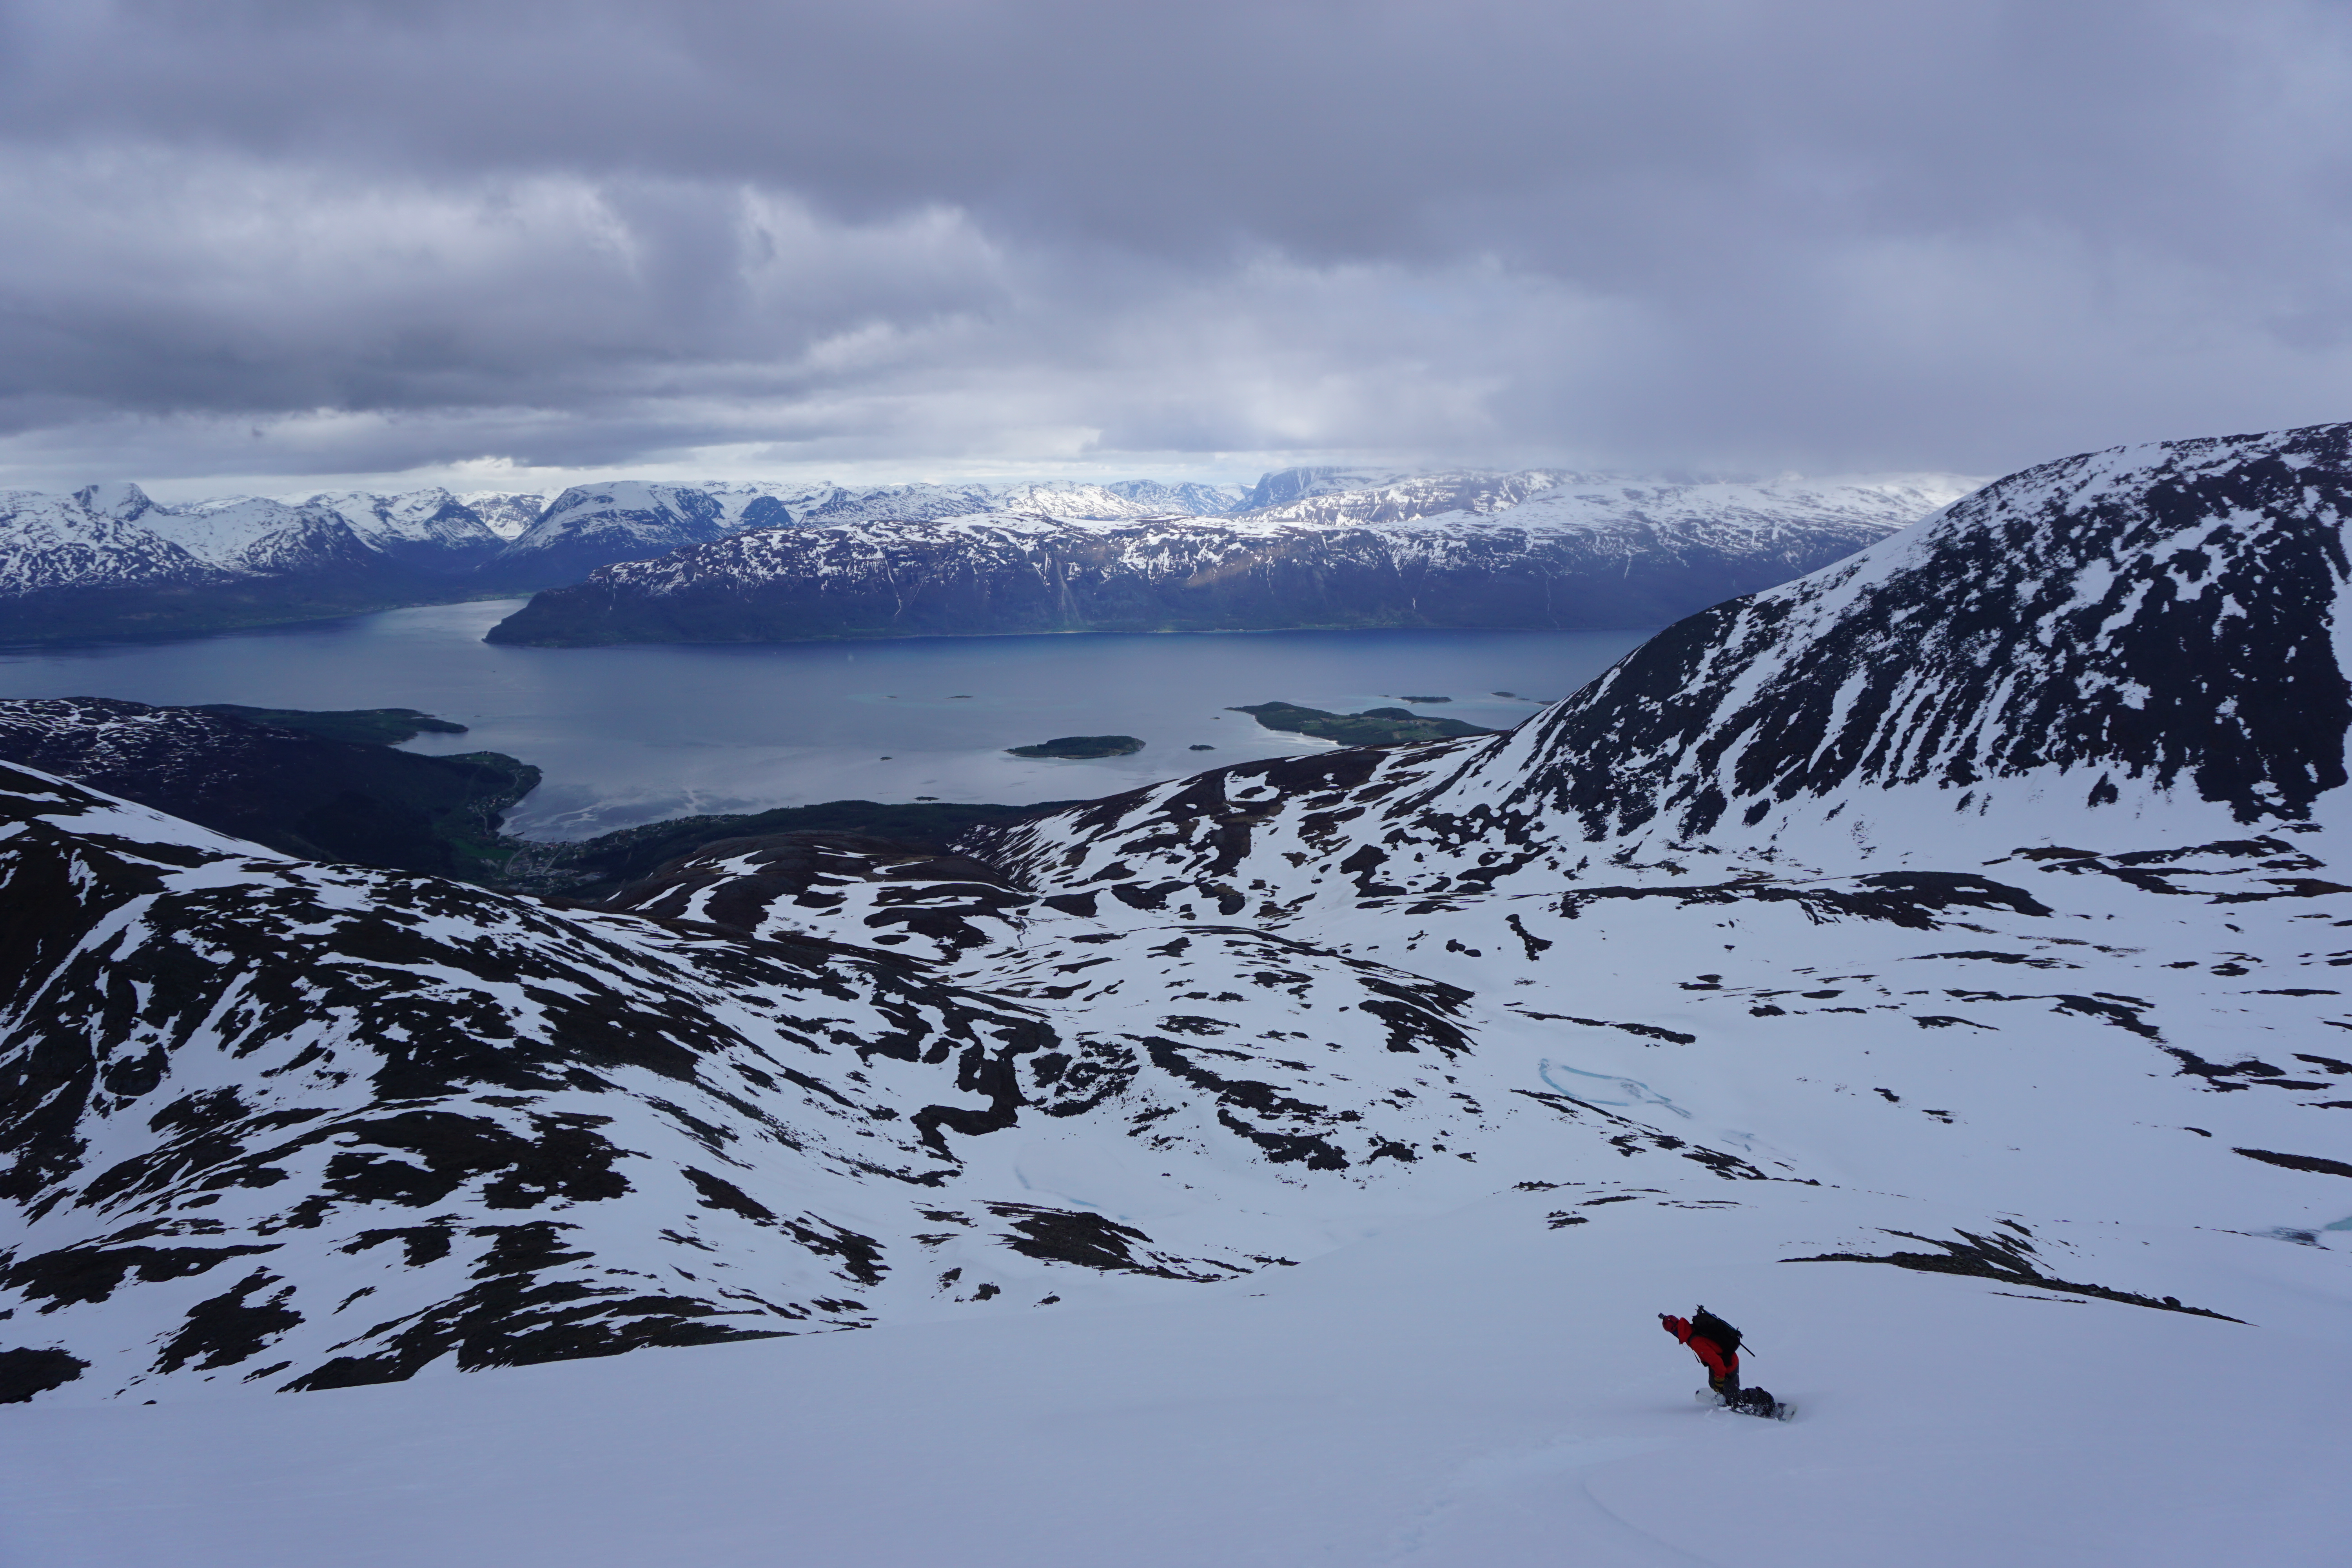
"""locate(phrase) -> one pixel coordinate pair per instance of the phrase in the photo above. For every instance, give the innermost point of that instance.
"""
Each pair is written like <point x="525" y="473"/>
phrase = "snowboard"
<point x="1781" y="1410"/>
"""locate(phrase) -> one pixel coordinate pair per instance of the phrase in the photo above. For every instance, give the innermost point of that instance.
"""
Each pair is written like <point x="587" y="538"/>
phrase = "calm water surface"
<point x="633" y="734"/>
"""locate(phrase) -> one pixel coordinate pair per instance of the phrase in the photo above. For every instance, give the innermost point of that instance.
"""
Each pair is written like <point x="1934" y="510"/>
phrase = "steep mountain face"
<point x="506" y="514"/>
<point x="1189" y="499"/>
<point x="589" y="525"/>
<point x="1568" y="568"/>
<point x="1285" y="486"/>
<point x="63" y="545"/>
<point x="2023" y="992"/>
<point x="432" y="530"/>
<point x="1328" y="496"/>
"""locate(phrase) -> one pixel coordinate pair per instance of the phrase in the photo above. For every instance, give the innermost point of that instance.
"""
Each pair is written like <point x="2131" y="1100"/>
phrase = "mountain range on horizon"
<point x="109" y="561"/>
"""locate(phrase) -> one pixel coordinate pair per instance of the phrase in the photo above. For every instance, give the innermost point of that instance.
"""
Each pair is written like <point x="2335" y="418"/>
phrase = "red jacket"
<point x="1720" y="1362"/>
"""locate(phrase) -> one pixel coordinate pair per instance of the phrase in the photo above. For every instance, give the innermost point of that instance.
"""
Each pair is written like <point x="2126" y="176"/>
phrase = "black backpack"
<point x="1706" y="1325"/>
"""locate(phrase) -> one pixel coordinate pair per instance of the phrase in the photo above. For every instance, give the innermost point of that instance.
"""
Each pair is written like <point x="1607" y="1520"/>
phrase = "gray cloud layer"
<point x="312" y="239"/>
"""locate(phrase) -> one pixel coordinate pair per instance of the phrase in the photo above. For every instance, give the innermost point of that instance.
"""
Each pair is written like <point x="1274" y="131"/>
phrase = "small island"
<point x="1424" y="700"/>
<point x="1081" y="748"/>
<point x="1373" y="727"/>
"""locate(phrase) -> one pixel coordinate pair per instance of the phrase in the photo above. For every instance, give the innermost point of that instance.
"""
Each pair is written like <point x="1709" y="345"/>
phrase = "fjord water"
<point x="626" y="735"/>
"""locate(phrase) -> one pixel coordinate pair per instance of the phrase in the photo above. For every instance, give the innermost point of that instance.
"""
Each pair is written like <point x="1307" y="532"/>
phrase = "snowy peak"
<point x="2142" y="633"/>
<point x="2114" y="626"/>
<point x="1284" y="487"/>
<point x="506" y="514"/>
<point x="1544" y="499"/>
<point x="1189" y="498"/>
<point x="52" y="544"/>
<point x="123" y="501"/>
<point x="1346" y="498"/>
<point x="623" y="519"/>
<point x="429" y="522"/>
<point x="255" y="536"/>
<point x="1090" y="504"/>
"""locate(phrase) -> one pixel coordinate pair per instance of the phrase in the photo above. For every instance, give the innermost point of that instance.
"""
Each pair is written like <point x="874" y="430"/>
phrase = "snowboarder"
<point x="1716" y="1345"/>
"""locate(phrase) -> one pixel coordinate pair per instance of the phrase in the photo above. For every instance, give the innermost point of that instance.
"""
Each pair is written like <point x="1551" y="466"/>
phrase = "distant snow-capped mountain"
<point x="108" y="560"/>
<point x="1189" y="498"/>
<point x="96" y="563"/>
<point x="1959" y="909"/>
<point x="1452" y="551"/>
<point x="507" y="514"/>
<point x="590" y="526"/>
<point x="61" y="545"/>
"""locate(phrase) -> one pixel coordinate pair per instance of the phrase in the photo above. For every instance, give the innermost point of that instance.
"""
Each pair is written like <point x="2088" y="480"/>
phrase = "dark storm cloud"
<point x="1822" y="235"/>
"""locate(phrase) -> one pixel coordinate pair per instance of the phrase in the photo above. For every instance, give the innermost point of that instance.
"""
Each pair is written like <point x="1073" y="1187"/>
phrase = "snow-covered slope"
<point x="1237" y="1016"/>
<point x="1284" y="487"/>
<point x="592" y="525"/>
<point x="506" y="514"/>
<point x="1188" y="498"/>
<point x="626" y="520"/>
<point x="1475" y="1390"/>
<point x="108" y="560"/>
<point x="62" y="545"/>
<point x="1301" y="1147"/>
<point x="431" y="529"/>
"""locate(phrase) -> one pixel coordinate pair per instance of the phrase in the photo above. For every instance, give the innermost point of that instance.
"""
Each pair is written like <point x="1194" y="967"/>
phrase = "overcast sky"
<point x="286" y="244"/>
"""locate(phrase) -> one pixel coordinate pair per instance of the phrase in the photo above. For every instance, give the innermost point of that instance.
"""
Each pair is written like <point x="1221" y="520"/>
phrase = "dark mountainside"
<point x="367" y="726"/>
<point x="300" y="793"/>
<point x="1185" y="575"/>
<point x="2032" y="917"/>
<point x="329" y="786"/>
<point x="591" y="868"/>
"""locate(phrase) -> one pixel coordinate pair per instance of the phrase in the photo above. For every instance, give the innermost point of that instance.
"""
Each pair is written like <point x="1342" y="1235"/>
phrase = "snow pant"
<point x="1755" y="1401"/>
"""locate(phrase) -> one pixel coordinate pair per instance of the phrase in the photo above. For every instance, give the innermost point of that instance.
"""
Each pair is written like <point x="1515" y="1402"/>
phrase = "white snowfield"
<point x="1929" y="966"/>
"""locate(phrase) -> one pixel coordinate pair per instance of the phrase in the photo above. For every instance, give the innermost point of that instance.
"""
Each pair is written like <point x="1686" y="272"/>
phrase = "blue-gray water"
<point x="633" y="734"/>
